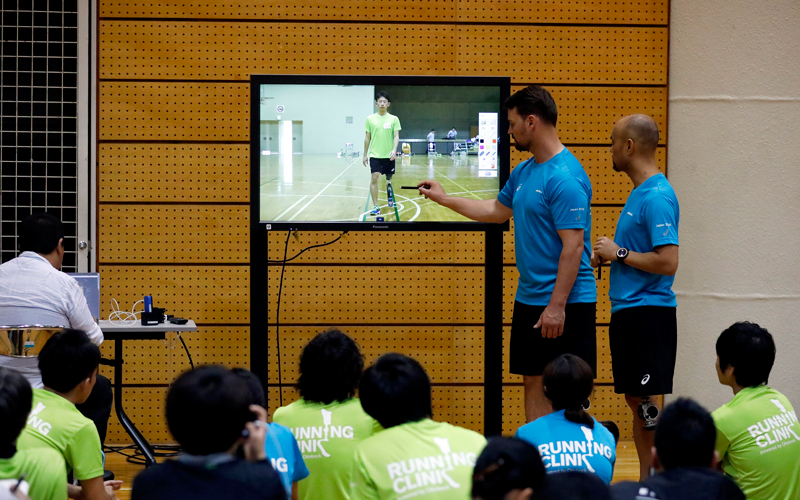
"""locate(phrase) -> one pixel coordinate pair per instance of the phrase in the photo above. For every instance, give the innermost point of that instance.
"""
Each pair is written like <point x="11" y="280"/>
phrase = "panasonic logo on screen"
<point x="380" y="227"/>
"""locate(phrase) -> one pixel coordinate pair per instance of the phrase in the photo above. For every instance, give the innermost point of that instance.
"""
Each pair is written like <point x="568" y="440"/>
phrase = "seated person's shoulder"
<point x="629" y="490"/>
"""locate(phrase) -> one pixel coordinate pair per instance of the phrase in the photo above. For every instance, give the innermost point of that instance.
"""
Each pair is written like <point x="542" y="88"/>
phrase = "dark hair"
<point x="396" y="390"/>
<point x="257" y="394"/>
<point x="330" y="368"/>
<point x="16" y="398"/>
<point x="40" y="233"/>
<point x="207" y="409"/>
<point x="573" y="485"/>
<point x="382" y="94"/>
<point x="432" y="130"/>
<point x="534" y="100"/>
<point x="750" y="349"/>
<point x="506" y="464"/>
<point x="68" y="358"/>
<point x="685" y="435"/>
<point x="568" y="382"/>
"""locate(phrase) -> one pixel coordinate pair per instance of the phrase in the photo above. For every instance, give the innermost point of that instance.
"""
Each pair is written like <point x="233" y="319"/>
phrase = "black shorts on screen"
<point x="644" y="343"/>
<point x="530" y="352"/>
<point x="383" y="166"/>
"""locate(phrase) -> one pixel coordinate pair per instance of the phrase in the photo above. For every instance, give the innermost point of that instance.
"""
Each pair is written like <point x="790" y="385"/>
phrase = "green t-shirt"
<point x="55" y="422"/>
<point x="758" y="439"/>
<point x="381" y="132"/>
<point x="44" y="471"/>
<point x="424" y="459"/>
<point x="327" y="436"/>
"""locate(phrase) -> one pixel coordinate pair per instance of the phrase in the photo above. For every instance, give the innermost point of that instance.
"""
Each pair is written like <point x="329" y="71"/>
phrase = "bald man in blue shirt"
<point x="644" y="259"/>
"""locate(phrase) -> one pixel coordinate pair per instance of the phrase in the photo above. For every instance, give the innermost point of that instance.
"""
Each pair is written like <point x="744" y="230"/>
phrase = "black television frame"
<point x="503" y="149"/>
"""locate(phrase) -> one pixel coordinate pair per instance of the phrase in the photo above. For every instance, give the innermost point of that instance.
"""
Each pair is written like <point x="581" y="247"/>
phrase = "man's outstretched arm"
<point x="478" y="210"/>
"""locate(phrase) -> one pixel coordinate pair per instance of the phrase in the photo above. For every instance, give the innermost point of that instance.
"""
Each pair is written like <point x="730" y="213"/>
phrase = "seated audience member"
<point x="573" y="485"/>
<point x="758" y="437"/>
<point x="685" y="459"/>
<point x="330" y="368"/>
<point x="281" y="446"/>
<point x="569" y="438"/>
<point x="43" y="468"/>
<point x="413" y="455"/>
<point x="68" y="363"/>
<point x="507" y="469"/>
<point x="34" y="292"/>
<point x="210" y="415"/>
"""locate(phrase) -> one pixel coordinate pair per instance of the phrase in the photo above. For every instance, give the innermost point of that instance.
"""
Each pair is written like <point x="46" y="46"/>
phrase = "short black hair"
<point x="685" y="435"/>
<point x="207" y="409"/>
<point x="16" y="398"/>
<point x="750" y="349"/>
<point x="573" y="485"/>
<point x="330" y="368"/>
<point x="68" y="358"/>
<point x="258" y="396"/>
<point x="534" y="100"/>
<point x="40" y="233"/>
<point x="396" y="390"/>
<point x="382" y="94"/>
<point x="506" y="464"/>
<point x="569" y="381"/>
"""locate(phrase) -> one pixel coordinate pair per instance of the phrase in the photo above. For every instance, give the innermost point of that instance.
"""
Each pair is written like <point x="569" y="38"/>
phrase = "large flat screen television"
<point x="310" y="136"/>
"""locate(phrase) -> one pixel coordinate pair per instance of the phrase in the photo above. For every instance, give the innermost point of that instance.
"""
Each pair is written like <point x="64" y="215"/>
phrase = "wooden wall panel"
<point x="186" y="111"/>
<point x="183" y="233"/>
<point x="485" y="11"/>
<point x="206" y="294"/>
<point x="450" y="355"/>
<point x="558" y="54"/>
<point x="385" y="294"/>
<point x="174" y="172"/>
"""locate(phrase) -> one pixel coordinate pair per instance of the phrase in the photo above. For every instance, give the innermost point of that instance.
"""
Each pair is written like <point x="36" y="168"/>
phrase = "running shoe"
<point x="376" y="210"/>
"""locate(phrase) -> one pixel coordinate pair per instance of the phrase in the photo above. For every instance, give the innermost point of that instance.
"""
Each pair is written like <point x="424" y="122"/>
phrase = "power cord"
<point x="280" y="292"/>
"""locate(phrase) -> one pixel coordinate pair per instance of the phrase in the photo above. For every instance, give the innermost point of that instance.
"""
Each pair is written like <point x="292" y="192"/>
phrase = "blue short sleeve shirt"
<point x="569" y="446"/>
<point x="548" y="197"/>
<point x="650" y="219"/>
<point x="284" y="455"/>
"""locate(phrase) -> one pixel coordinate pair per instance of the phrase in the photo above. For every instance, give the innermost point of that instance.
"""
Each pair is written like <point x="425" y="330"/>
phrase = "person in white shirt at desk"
<point x="33" y="291"/>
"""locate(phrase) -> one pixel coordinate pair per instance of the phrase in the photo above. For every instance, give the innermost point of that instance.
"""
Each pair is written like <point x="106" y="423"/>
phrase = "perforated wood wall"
<point x="173" y="175"/>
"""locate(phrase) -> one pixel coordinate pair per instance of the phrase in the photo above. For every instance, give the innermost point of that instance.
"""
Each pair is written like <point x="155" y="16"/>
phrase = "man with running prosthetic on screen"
<point x="549" y="196"/>
<point x="380" y="148"/>
<point x="643" y="334"/>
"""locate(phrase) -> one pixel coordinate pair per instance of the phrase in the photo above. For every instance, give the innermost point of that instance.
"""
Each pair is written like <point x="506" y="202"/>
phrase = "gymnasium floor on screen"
<point x="626" y="469"/>
<point x="317" y="187"/>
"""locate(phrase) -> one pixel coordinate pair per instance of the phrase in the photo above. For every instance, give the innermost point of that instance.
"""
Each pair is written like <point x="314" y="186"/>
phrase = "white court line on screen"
<point x="323" y="189"/>
<point x="454" y="182"/>
<point x="288" y="209"/>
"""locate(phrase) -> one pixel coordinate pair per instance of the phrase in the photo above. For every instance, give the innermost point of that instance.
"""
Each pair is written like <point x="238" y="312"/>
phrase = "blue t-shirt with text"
<point x="650" y="219"/>
<point x="569" y="446"/>
<point x="284" y="455"/>
<point x="548" y="197"/>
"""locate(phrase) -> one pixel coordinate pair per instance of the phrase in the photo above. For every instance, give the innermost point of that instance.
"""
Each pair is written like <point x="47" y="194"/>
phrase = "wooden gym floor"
<point x="327" y="188"/>
<point x="627" y="468"/>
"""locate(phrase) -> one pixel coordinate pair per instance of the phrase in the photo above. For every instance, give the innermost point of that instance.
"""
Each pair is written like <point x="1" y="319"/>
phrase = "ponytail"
<point x="579" y="416"/>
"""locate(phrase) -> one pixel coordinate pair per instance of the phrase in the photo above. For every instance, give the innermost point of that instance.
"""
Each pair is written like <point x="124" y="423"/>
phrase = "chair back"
<point x="25" y="341"/>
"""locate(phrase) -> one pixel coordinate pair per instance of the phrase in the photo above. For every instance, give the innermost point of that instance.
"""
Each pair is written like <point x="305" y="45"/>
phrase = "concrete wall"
<point x="734" y="160"/>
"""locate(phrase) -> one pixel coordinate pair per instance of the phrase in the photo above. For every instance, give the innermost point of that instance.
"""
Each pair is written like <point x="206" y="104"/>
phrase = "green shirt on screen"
<point x="758" y="440"/>
<point x="423" y="460"/>
<point x="381" y="132"/>
<point x="327" y="436"/>
<point x="54" y="422"/>
<point x="44" y="472"/>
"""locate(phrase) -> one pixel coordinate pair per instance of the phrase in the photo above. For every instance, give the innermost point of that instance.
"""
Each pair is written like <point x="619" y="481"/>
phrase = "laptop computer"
<point x="90" y="283"/>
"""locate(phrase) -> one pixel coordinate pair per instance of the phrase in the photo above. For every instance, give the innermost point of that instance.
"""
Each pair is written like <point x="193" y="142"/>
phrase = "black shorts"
<point x="530" y="352"/>
<point x="644" y="343"/>
<point x="383" y="166"/>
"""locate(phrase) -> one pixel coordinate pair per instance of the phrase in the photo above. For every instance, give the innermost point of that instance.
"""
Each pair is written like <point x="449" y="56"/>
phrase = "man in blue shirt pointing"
<point x="644" y="257"/>
<point x="549" y="196"/>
